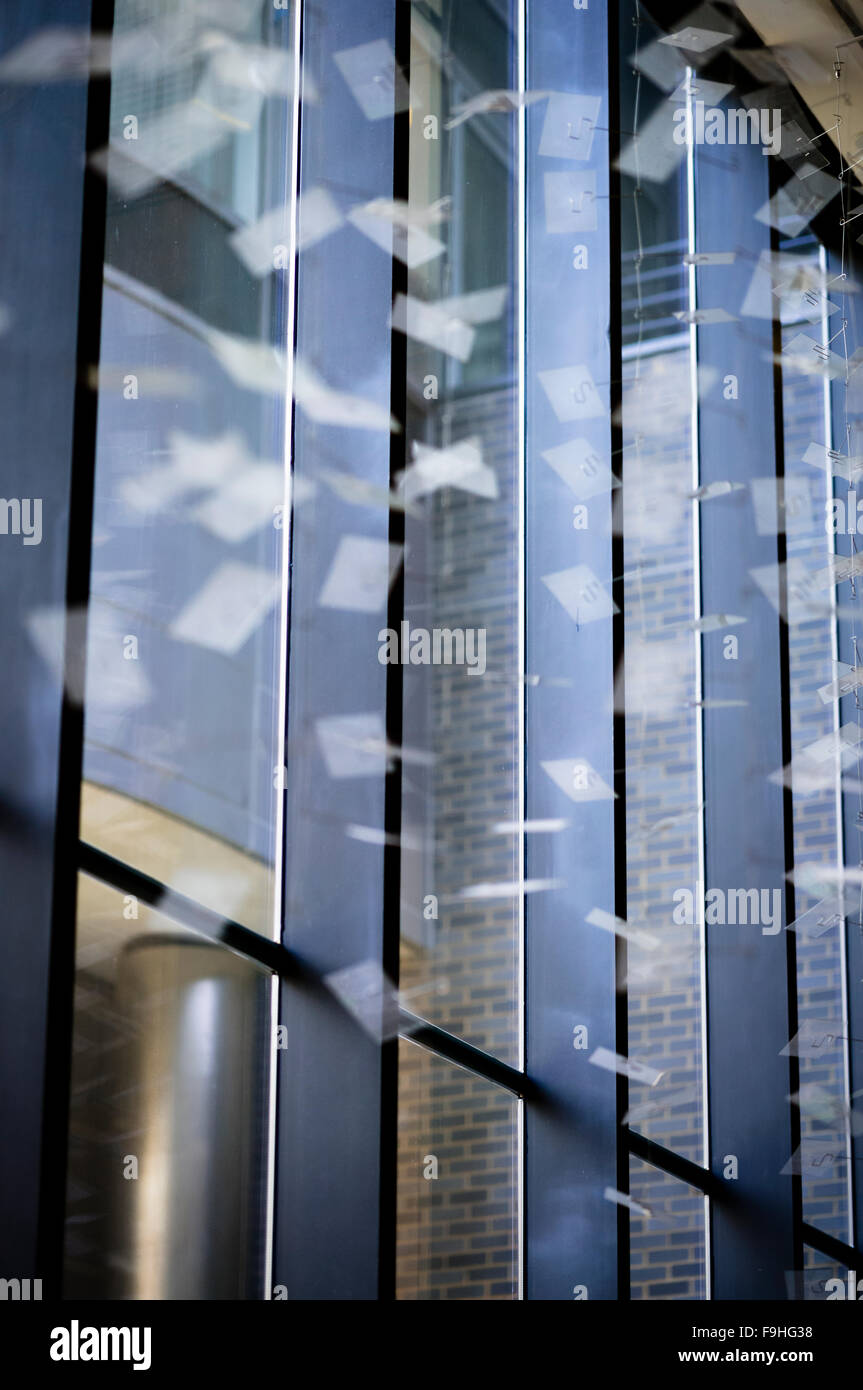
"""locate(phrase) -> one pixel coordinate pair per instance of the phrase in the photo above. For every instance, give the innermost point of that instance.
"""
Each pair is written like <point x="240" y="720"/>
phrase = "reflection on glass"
<point x="184" y="64"/>
<point x="166" y="1189"/>
<point x="821" y="1280"/>
<point x="653" y="278"/>
<point x="667" y="1238"/>
<point x="183" y="668"/>
<point x="658" y="683"/>
<point x="663" y="793"/>
<point x="817" y="831"/>
<point x="460" y="906"/>
<point x="457" y="1235"/>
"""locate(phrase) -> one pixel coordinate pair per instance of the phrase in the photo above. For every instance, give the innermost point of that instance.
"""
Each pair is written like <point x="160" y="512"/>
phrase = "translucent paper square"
<point x="578" y="780"/>
<point x="626" y="1066"/>
<point x="582" y="467"/>
<point x="435" y="325"/>
<point x="371" y="998"/>
<point x="570" y="201"/>
<point x="377" y="85"/>
<point x="793" y="206"/>
<point x="572" y="393"/>
<point x="232" y="604"/>
<point x="570" y="121"/>
<point x="581" y="593"/>
<point x="360" y="575"/>
<point x="353" y="745"/>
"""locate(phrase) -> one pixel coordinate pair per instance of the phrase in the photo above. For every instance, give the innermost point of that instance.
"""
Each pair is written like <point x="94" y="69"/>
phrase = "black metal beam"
<point x="188" y="913"/>
<point x="464" y="1054"/>
<point x="849" y="1255"/>
<point x="676" y="1165"/>
<point x="50" y="283"/>
<point x="391" y="944"/>
<point x="78" y="558"/>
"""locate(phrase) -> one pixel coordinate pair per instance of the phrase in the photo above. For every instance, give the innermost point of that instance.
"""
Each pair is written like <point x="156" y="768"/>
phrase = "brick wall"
<point x="457" y="1231"/>
<point x="457" y="1236"/>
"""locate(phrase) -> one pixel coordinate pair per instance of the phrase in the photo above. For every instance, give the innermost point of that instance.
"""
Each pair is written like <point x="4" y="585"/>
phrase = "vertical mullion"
<point x="852" y="826"/>
<point x="61" y="981"/>
<point x="521" y="636"/>
<point x="692" y="300"/>
<point x="617" y="589"/>
<point x="793" y="1124"/>
<point x="51" y="281"/>
<point x="335" y="1082"/>
<point x="699" y="680"/>
<point x="394" y="701"/>
<point x="282" y="183"/>
<point x="747" y="824"/>
<point x="572" y="1142"/>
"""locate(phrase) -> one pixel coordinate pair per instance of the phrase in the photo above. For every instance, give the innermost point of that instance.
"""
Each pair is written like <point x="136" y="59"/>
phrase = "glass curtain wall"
<point x="470" y="788"/>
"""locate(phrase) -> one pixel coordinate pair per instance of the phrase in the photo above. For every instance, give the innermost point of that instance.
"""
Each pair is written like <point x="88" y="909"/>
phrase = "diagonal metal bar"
<point x="287" y="964"/>
<point x="832" y="1247"/>
<point x="464" y="1054"/>
<point x="188" y="913"/>
<point x="658" y="1156"/>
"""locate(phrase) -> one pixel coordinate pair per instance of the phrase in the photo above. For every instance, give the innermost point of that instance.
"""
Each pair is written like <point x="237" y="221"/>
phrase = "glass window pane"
<point x="821" y="1280"/>
<point x="653" y="278"/>
<point x="820" y="933"/>
<point x="457" y="1182"/>
<point x="167" y="1177"/>
<point x="664" y="976"/>
<point x="460" y="858"/>
<point x="183" y="744"/>
<point x="667" y="1240"/>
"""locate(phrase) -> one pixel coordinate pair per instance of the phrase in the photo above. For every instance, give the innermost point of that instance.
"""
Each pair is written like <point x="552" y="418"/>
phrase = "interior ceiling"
<point x="803" y="36"/>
